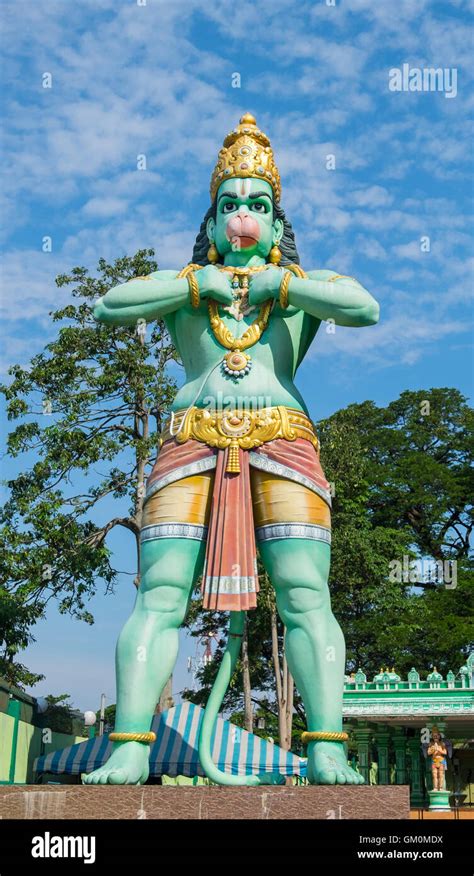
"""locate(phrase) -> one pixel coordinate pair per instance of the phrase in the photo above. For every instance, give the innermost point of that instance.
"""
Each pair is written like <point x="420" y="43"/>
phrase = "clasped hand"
<point x="265" y="285"/>
<point x="216" y="284"/>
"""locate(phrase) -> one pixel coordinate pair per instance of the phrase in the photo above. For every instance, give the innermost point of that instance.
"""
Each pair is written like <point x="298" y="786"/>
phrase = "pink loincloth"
<point x="230" y="579"/>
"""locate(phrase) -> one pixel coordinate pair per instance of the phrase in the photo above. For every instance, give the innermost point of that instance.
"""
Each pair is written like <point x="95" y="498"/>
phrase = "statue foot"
<point x="127" y="765"/>
<point x="327" y="765"/>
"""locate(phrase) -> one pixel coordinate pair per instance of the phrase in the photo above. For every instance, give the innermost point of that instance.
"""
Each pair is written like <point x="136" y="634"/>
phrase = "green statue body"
<point x="242" y="228"/>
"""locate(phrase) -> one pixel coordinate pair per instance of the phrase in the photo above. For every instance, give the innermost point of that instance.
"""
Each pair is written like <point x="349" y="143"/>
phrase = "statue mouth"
<point x="243" y="241"/>
<point x="243" y="232"/>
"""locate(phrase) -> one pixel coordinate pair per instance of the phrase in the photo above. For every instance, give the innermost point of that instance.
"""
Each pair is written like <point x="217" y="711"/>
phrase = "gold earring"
<point x="212" y="254"/>
<point x="275" y="254"/>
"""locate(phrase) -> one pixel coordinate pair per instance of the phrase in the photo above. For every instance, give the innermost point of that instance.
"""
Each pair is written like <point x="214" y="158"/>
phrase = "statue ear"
<point x="277" y="230"/>
<point x="211" y="229"/>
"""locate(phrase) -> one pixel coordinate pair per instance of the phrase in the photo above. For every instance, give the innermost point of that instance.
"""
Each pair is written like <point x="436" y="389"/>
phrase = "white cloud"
<point x="399" y="338"/>
<point x="104" y="208"/>
<point x="119" y="90"/>
<point x="374" y="196"/>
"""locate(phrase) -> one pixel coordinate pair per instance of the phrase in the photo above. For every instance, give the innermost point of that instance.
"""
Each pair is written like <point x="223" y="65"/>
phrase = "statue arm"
<point x="327" y="295"/>
<point x="150" y="298"/>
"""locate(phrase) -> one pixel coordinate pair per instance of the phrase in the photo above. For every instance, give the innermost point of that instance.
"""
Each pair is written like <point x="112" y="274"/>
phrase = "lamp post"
<point x="102" y="714"/>
<point x="89" y="720"/>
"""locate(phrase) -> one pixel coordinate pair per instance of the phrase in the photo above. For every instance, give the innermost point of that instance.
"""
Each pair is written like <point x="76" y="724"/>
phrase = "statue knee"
<point x="299" y="572"/>
<point x="164" y="589"/>
<point x="167" y="599"/>
<point x="302" y="600"/>
<point x="167" y="578"/>
<point x="299" y="596"/>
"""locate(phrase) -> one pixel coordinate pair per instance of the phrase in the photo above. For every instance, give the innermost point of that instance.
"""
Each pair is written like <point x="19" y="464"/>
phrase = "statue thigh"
<point x="298" y="567"/>
<point x="170" y="566"/>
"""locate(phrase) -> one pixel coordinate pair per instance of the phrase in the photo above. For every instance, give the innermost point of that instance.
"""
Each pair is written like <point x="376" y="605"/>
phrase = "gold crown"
<point x="246" y="152"/>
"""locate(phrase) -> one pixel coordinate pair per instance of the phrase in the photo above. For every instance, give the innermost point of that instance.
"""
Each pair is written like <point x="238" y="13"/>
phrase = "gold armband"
<point x="193" y="289"/>
<point x="284" y="289"/>
<point x="187" y="273"/>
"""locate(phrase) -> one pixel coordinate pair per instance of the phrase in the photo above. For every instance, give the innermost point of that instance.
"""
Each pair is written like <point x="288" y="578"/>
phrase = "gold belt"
<point x="239" y="428"/>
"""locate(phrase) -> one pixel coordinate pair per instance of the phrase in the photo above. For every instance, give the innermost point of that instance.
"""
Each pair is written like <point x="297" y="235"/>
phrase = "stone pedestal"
<point x="201" y="802"/>
<point x="439" y="801"/>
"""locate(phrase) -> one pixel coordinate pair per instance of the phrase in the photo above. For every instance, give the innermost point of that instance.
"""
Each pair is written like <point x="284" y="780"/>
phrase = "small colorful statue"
<point x="437" y="751"/>
<point x="238" y="464"/>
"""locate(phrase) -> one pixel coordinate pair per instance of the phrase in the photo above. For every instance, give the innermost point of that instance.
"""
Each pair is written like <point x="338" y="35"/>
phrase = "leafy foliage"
<point x="59" y="715"/>
<point x="403" y="488"/>
<point x="91" y="401"/>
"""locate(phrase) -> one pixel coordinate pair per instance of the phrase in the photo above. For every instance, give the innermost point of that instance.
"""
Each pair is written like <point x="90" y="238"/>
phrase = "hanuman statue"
<point x="238" y="464"/>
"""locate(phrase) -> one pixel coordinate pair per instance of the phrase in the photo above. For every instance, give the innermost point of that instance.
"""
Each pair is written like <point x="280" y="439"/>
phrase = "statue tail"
<point x="218" y="691"/>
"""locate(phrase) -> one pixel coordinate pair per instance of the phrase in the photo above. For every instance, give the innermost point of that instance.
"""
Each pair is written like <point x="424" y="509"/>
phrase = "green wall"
<point x="28" y="747"/>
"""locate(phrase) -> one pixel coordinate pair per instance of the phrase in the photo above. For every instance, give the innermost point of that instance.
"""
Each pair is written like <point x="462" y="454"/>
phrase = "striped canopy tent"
<point x="175" y="751"/>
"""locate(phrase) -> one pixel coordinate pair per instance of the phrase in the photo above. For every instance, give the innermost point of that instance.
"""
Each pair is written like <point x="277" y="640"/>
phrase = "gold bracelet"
<point x="132" y="737"/>
<point x="322" y="736"/>
<point x="284" y="289"/>
<point x="297" y="271"/>
<point x="193" y="289"/>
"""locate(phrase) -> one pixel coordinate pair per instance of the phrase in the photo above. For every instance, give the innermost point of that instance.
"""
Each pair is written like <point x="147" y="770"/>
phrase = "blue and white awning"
<point x="175" y="751"/>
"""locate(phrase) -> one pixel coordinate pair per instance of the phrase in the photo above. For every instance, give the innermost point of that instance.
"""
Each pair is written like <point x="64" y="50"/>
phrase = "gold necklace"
<point x="240" y="289"/>
<point x="236" y="363"/>
<point x="240" y="276"/>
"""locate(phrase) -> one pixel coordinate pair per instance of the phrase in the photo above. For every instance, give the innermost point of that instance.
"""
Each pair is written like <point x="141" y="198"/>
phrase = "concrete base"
<point x="201" y="802"/>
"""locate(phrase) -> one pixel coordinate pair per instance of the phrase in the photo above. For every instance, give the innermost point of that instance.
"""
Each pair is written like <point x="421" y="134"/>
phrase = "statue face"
<point x="244" y="221"/>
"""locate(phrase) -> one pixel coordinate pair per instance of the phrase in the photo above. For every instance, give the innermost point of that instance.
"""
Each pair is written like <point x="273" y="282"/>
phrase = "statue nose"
<point x="242" y="224"/>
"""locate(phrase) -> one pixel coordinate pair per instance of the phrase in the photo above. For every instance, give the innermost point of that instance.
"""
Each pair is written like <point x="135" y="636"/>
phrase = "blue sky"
<point x="157" y="80"/>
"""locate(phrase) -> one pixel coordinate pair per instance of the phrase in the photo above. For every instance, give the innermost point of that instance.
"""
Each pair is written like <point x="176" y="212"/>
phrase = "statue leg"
<point x="315" y="648"/>
<point x="147" y="649"/>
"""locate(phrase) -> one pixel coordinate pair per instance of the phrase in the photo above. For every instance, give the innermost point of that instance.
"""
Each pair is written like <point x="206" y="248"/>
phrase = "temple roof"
<point x="414" y="701"/>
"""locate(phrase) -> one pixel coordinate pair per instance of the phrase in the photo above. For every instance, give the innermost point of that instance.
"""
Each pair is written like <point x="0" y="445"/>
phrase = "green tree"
<point x="402" y="483"/>
<point x="422" y="474"/>
<point x="402" y="479"/>
<point x="93" y="397"/>
<point x="59" y="714"/>
<point x="16" y="620"/>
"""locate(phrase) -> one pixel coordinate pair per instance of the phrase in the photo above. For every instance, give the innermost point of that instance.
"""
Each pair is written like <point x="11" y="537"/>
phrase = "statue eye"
<point x="259" y="208"/>
<point x="228" y="208"/>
